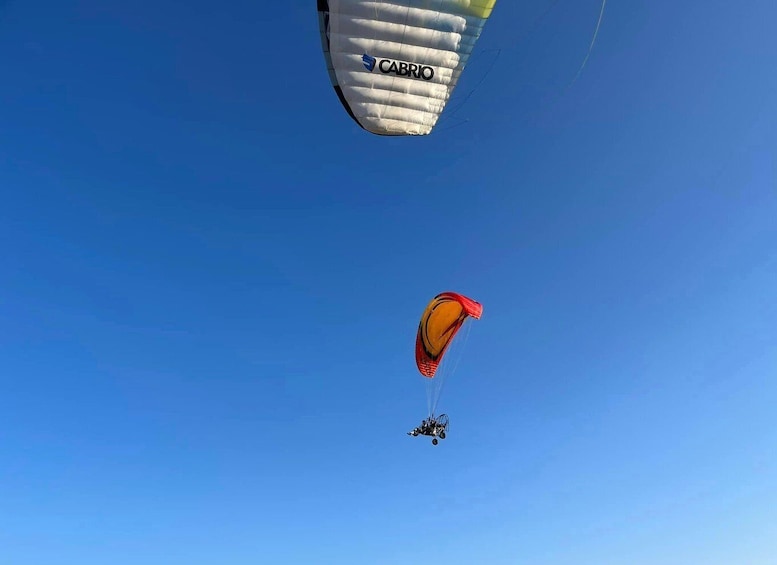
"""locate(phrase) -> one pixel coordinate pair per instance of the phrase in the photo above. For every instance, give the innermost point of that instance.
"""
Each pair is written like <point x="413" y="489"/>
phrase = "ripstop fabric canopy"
<point x="440" y="321"/>
<point x="395" y="63"/>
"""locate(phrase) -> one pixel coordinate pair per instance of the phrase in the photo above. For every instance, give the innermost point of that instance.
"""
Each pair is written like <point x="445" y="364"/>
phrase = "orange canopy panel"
<point x="441" y="320"/>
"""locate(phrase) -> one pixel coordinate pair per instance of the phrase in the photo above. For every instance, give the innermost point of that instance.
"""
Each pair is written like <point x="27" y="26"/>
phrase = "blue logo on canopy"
<point x="369" y="62"/>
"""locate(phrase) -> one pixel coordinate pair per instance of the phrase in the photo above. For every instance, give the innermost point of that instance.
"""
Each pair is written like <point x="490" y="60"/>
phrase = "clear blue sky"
<point x="211" y="280"/>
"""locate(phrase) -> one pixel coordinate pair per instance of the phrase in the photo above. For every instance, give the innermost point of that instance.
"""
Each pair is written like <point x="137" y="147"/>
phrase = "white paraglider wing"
<point x="395" y="63"/>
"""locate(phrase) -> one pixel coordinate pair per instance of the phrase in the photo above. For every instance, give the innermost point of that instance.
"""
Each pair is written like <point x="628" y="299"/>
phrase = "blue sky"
<point x="211" y="280"/>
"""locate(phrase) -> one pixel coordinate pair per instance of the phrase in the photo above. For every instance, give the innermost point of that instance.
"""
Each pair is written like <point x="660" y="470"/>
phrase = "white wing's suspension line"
<point x="591" y="46"/>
